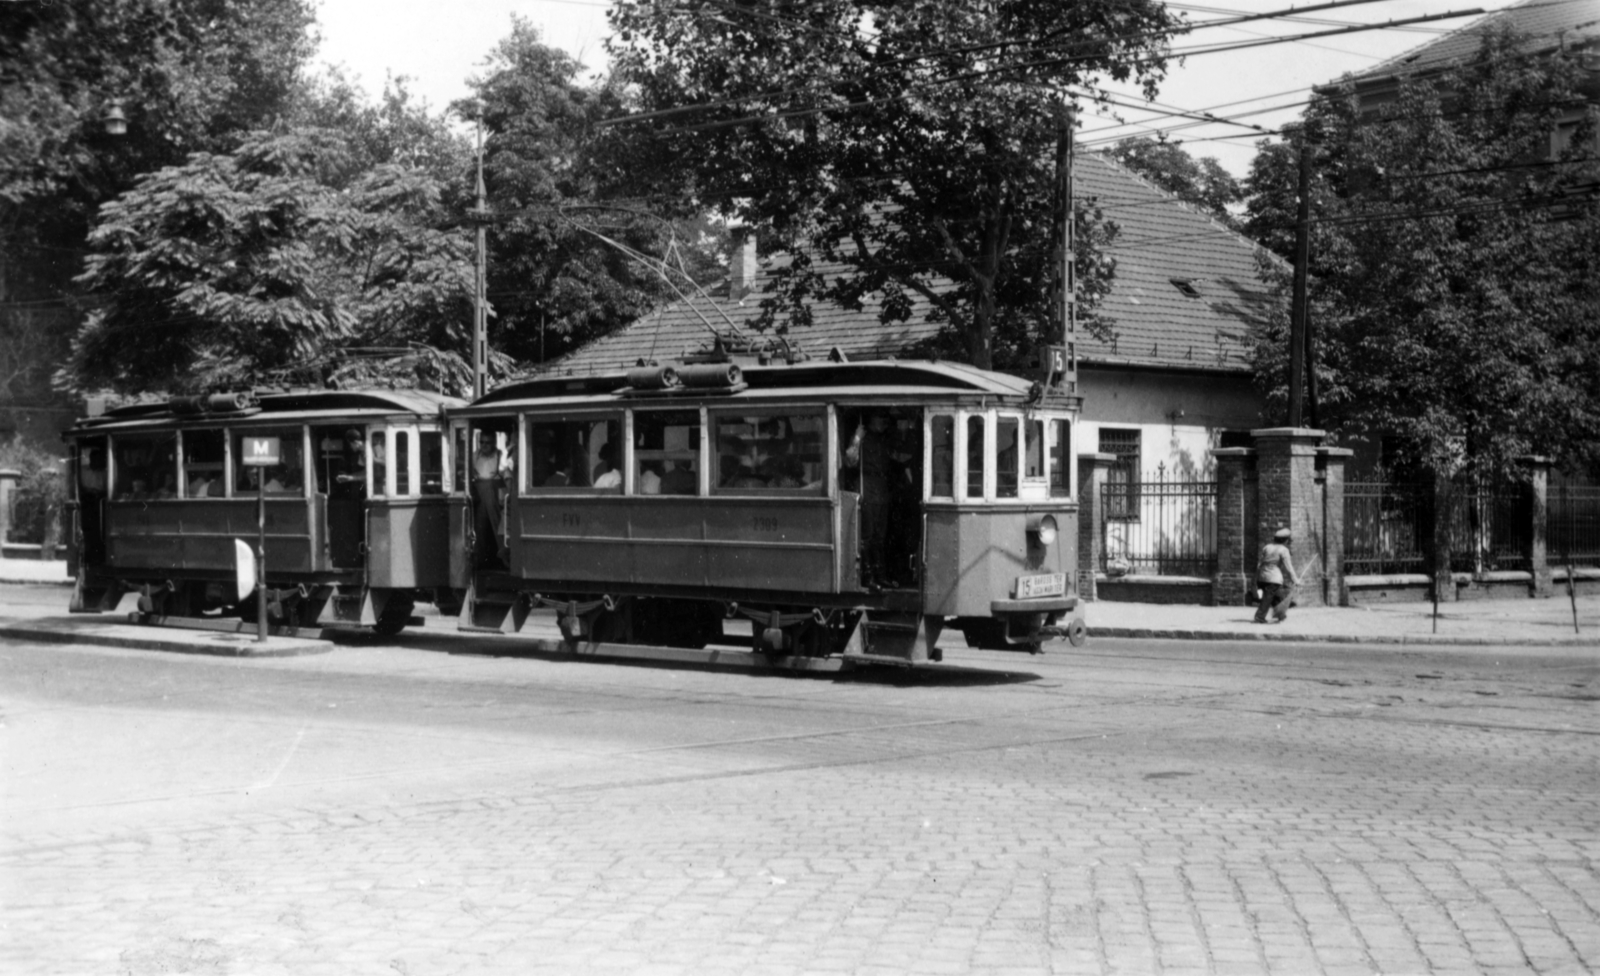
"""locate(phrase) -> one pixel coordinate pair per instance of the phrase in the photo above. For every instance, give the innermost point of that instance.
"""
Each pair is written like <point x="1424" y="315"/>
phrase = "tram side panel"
<point x="407" y="537"/>
<point x="145" y="538"/>
<point x="783" y="545"/>
<point x="976" y="555"/>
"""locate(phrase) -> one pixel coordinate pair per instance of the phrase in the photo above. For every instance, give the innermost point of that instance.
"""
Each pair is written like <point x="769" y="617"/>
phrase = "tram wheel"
<point x="396" y="614"/>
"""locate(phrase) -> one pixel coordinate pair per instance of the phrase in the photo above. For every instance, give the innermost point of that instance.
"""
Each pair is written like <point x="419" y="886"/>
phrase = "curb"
<point x="275" y="646"/>
<point x="1153" y="633"/>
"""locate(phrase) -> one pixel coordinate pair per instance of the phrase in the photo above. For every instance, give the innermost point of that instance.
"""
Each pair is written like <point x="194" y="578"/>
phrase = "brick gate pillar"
<point x="1330" y="464"/>
<point x="1290" y="496"/>
<point x="1092" y="472"/>
<point x="1236" y="526"/>
<point x="1537" y="547"/>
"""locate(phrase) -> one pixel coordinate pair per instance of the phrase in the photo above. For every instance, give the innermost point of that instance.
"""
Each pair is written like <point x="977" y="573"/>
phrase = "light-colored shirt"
<point x="1275" y="563"/>
<point x="611" y="479"/>
<point x="649" y="482"/>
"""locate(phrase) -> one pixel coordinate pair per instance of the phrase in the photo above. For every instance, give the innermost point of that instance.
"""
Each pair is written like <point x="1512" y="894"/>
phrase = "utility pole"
<point x="1066" y="278"/>
<point x="1302" y="257"/>
<point x="480" y="305"/>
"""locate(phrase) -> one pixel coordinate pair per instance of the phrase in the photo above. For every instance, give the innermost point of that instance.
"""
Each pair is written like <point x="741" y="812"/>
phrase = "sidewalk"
<point x="1479" y="622"/>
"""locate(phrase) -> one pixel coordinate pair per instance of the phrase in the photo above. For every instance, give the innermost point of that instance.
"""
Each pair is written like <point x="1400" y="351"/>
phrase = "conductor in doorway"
<point x="1275" y="573"/>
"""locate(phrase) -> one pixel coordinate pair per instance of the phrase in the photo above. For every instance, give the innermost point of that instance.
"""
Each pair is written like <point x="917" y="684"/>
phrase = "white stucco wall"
<point x="1179" y="416"/>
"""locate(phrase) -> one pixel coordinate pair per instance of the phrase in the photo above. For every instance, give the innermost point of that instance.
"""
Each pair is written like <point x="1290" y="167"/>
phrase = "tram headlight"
<point x="1042" y="530"/>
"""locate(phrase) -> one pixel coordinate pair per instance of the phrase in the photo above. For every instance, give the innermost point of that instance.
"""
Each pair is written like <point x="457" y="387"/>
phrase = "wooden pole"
<point x="480" y="310"/>
<point x="1302" y="256"/>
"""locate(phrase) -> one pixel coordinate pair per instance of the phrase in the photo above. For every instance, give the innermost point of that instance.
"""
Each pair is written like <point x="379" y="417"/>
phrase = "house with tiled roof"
<point x="1569" y="28"/>
<point x="1173" y="381"/>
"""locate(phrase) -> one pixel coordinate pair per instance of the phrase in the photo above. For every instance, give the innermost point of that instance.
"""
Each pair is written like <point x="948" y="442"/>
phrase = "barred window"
<point x="1122" y="480"/>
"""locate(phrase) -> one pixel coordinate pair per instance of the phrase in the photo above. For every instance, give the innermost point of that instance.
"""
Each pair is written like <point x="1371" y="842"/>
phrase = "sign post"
<point x="260" y="452"/>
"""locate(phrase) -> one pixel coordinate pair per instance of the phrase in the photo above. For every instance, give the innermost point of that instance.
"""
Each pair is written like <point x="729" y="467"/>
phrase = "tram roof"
<point x="285" y="406"/>
<point x="854" y="381"/>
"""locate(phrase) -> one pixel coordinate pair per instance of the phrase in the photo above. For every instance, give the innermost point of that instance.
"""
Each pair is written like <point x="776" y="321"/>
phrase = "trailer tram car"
<point x="850" y="509"/>
<point x="357" y="509"/>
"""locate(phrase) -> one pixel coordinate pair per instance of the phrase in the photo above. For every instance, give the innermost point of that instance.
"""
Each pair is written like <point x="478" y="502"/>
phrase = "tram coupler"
<point x="773" y="636"/>
<point x="570" y="623"/>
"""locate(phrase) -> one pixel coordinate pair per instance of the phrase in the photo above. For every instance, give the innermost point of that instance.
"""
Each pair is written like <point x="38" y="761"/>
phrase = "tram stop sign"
<point x="261" y="452"/>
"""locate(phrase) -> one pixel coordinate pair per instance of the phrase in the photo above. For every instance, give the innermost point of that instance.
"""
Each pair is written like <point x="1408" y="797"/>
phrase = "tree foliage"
<point x="1202" y="182"/>
<point x="913" y="142"/>
<point x="1456" y="263"/>
<point x="188" y="74"/>
<point x="556" y="279"/>
<point x="272" y="263"/>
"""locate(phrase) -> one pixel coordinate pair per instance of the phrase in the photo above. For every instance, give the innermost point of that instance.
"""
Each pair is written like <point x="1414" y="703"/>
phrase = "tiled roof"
<point x="1546" y="21"/>
<point x="1185" y="295"/>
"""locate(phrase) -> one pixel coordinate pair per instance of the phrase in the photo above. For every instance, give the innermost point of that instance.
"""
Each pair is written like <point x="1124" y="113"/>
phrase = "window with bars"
<point x="1122" y="479"/>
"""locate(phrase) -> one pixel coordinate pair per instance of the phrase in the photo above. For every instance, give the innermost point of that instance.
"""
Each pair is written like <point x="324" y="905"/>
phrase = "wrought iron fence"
<point x="1161" y="527"/>
<point x="1389" y="527"/>
<point x="1572" y="525"/>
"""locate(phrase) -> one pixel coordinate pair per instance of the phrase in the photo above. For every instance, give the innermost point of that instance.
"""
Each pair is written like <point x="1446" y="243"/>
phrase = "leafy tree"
<point x="556" y="280"/>
<point x="395" y="129"/>
<point x="1202" y="182"/>
<point x="188" y="74"/>
<point x="270" y="264"/>
<point x="911" y="141"/>
<point x="1456" y="270"/>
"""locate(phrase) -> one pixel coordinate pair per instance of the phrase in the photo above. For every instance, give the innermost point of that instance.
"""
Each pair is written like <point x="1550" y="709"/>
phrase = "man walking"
<point x="1274" y="567"/>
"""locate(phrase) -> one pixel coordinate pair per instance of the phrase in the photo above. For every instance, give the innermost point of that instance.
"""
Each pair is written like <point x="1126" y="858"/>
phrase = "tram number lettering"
<point x="764" y="523"/>
<point x="571" y="520"/>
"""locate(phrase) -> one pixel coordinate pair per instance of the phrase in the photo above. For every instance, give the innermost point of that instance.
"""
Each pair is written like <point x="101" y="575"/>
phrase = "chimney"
<point x="741" y="263"/>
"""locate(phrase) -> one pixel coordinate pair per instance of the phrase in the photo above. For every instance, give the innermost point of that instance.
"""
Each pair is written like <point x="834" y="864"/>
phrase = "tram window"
<point x="570" y="454"/>
<point x="1033" y="449"/>
<point x="204" y="457"/>
<point x="146" y="467"/>
<point x="92" y="468"/>
<point x="1005" y="464"/>
<point x="462" y="457"/>
<point x="975" y="457"/>
<point x="287" y="477"/>
<point x="430" y="446"/>
<point x="341" y="461"/>
<point x="402" y="462"/>
<point x="1060" y="458"/>
<point x="768" y="453"/>
<point x="380" y="462"/>
<point x="666" y="452"/>
<point x="944" y="455"/>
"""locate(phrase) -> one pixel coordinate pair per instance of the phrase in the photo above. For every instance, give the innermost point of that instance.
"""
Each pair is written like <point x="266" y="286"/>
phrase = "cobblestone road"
<point x="1156" y="808"/>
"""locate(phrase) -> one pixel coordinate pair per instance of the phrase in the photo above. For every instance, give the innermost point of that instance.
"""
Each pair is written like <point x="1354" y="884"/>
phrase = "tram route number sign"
<point x="1047" y="584"/>
<point x="261" y="452"/>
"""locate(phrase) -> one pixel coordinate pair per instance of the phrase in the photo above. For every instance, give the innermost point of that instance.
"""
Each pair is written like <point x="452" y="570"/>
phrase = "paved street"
<point x="446" y="806"/>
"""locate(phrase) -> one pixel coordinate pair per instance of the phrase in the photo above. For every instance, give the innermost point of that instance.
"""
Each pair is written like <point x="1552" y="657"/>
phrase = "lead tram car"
<point x="357" y="509"/>
<point x="850" y="509"/>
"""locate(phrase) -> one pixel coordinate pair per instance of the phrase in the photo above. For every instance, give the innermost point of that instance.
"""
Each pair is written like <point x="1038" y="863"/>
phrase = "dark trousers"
<point x="1274" y="597"/>
<point x="874" y="530"/>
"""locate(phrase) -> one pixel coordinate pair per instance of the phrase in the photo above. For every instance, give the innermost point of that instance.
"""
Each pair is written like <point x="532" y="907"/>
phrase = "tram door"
<point x="881" y="456"/>
<point x="92" y="486"/>
<point x="342" y="481"/>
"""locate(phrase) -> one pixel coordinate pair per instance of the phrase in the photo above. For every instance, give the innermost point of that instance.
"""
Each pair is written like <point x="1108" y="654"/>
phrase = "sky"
<point x="439" y="45"/>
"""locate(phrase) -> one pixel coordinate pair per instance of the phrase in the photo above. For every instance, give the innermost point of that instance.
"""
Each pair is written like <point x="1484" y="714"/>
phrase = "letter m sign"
<point x="260" y="451"/>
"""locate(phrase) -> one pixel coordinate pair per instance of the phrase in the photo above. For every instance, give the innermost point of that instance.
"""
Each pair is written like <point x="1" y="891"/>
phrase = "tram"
<point x="841" y="508"/>
<point x="358" y="507"/>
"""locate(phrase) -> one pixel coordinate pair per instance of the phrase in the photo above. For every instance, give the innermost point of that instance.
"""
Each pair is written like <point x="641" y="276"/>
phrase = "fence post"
<point x="1093" y="469"/>
<point x="1538" y="543"/>
<point x="1236" y="543"/>
<point x="1290" y="497"/>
